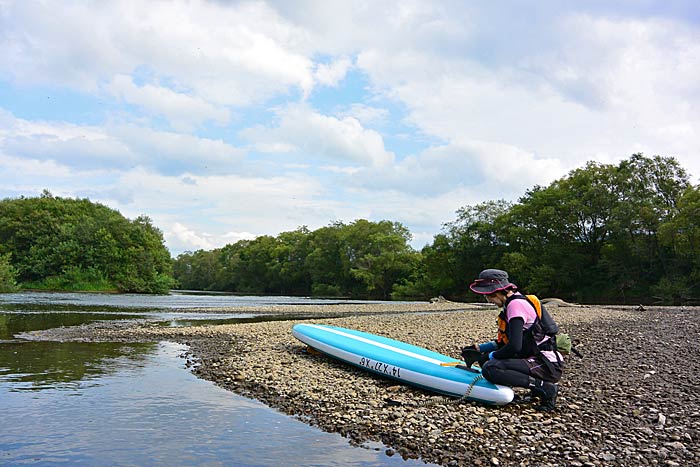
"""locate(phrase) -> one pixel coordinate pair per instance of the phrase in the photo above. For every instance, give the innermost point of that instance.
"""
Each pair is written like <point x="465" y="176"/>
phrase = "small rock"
<point x="494" y="461"/>
<point x="676" y="445"/>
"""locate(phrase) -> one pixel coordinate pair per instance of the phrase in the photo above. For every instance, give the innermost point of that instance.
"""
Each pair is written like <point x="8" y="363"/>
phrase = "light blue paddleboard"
<point x="403" y="362"/>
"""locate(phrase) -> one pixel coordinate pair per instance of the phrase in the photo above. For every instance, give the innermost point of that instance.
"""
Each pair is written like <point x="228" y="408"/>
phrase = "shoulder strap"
<point x="535" y="302"/>
<point x="531" y="299"/>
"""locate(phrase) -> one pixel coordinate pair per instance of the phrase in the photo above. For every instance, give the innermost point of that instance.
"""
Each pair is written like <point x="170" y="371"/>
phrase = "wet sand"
<point x="633" y="399"/>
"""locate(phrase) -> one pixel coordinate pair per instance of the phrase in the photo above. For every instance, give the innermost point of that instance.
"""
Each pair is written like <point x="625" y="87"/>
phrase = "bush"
<point x="325" y="290"/>
<point x="8" y="275"/>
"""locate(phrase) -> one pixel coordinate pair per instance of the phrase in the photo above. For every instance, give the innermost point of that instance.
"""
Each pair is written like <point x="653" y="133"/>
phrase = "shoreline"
<point x="631" y="400"/>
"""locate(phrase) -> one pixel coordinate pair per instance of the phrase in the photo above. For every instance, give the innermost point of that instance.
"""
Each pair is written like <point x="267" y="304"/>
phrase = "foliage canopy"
<point x="362" y="259"/>
<point x="605" y="233"/>
<point x="60" y="243"/>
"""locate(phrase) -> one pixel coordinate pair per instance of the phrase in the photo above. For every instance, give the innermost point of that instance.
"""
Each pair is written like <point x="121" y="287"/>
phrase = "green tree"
<point x="324" y="262"/>
<point x="651" y="190"/>
<point x="458" y="253"/>
<point x="76" y="244"/>
<point x="378" y="254"/>
<point x="8" y="282"/>
<point x="291" y="251"/>
<point x="197" y="270"/>
<point x="562" y="229"/>
<point x="681" y="236"/>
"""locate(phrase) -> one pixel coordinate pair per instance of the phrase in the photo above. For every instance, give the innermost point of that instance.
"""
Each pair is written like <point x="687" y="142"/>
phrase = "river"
<point x="116" y="404"/>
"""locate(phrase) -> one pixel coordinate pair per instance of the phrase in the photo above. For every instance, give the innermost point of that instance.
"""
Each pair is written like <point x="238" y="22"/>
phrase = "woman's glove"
<point x="470" y="355"/>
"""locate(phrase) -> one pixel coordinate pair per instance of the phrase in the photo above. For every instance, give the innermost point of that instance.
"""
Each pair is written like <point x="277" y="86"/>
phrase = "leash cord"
<point x="449" y="401"/>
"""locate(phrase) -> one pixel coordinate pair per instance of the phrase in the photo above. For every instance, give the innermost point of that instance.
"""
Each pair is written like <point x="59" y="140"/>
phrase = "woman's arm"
<point x="515" y="340"/>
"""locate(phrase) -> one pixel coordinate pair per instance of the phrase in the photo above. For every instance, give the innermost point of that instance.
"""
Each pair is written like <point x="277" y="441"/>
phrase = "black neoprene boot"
<point x="547" y="392"/>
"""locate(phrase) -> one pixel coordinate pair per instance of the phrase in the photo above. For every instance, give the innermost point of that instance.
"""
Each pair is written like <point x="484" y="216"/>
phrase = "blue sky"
<point x="229" y="120"/>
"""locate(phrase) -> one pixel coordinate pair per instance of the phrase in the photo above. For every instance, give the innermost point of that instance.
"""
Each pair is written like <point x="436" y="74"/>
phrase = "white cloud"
<point x="480" y="169"/>
<point x="175" y="153"/>
<point x="42" y="172"/>
<point x="64" y="143"/>
<point x="182" y="238"/>
<point x="367" y="114"/>
<point x="184" y="112"/>
<point x="321" y="136"/>
<point x="330" y="74"/>
<point x="116" y="147"/>
<point x="180" y="234"/>
<point x="233" y="237"/>
<point x="219" y="209"/>
<point x="603" y="88"/>
<point x="230" y="54"/>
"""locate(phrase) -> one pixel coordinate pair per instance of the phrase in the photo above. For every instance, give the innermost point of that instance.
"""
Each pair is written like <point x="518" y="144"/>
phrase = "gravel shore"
<point x="633" y="399"/>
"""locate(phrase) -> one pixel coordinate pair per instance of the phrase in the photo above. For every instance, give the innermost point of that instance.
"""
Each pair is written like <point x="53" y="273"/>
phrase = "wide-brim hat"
<point x="490" y="281"/>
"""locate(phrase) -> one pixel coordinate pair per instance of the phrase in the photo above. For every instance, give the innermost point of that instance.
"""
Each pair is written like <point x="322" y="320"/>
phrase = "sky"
<point x="226" y="120"/>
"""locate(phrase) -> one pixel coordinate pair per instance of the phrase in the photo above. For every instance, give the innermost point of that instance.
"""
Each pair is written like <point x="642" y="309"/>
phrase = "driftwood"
<point x="439" y="299"/>
<point x="557" y="301"/>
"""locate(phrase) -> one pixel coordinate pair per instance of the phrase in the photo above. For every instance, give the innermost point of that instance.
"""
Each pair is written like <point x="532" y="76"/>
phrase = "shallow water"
<point x="80" y="403"/>
<point x="174" y="300"/>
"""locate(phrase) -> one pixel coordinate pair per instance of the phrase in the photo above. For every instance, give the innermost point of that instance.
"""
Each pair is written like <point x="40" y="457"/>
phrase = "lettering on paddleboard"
<point x="389" y="370"/>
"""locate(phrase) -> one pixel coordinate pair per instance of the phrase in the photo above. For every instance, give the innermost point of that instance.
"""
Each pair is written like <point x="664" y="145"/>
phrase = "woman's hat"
<point x="490" y="281"/>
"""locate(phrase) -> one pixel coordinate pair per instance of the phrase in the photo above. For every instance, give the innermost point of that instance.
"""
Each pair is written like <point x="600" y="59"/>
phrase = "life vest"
<point x="543" y="326"/>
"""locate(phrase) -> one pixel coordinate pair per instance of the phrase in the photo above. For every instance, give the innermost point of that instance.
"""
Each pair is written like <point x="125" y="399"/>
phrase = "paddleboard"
<point x="403" y="362"/>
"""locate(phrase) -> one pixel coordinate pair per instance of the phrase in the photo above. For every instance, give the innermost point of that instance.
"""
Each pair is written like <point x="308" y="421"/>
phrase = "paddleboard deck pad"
<point x="402" y="362"/>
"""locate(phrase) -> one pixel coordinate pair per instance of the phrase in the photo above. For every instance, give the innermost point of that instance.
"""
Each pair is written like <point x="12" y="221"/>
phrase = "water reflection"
<point x="104" y="404"/>
<point x="144" y="409"/>
<point x="64" y="365"/>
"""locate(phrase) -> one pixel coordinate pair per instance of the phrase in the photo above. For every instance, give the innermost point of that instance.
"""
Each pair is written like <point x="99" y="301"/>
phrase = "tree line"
<point x="362" y="259"/>
<point x="605" y="233"/>
<point x="58" y="243"/>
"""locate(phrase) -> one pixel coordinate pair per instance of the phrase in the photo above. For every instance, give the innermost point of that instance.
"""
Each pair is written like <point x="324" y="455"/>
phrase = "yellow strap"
<point x="538" y="306"/>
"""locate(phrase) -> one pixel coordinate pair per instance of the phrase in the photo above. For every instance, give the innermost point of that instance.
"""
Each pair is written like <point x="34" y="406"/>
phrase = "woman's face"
<point x="497" y="298"/>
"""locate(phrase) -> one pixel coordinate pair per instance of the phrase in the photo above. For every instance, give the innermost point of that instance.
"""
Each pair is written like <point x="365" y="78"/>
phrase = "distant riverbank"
<point x="632" y="399"/>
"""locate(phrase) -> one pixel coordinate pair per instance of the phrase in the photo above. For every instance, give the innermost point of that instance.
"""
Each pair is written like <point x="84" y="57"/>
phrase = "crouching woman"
<point x="523" y="355"/>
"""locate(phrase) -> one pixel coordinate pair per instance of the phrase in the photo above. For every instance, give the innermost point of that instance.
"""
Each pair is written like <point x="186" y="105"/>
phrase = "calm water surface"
<point x="94" y="404"/>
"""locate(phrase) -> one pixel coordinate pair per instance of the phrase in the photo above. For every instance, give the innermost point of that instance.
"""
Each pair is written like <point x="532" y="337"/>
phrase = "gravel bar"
<point x="633" y="398"/>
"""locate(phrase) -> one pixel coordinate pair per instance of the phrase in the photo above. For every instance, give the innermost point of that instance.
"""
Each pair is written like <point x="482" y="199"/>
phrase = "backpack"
<point x="562" y="340"/>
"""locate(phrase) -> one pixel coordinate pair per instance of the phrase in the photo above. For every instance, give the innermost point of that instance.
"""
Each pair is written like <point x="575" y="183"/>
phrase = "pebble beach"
<point x="633" y="398"/>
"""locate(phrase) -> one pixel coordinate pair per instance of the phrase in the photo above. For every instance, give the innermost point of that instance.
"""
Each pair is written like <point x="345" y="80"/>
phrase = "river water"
<point x="116" y="404"/>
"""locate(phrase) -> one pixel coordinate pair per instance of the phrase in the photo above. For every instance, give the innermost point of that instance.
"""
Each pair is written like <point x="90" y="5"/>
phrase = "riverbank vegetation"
<point x="53" y="243"/>
<point x="362" y="259"/>
<point x="605" y="233"/>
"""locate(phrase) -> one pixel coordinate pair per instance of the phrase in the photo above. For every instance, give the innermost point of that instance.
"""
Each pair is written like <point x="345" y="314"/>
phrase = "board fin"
<point x="310" y="350"/>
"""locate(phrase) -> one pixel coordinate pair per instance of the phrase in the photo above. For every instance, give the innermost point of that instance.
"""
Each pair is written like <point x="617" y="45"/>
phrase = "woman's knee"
<point x="506" y="372"/>
<point x="491" y="370"/>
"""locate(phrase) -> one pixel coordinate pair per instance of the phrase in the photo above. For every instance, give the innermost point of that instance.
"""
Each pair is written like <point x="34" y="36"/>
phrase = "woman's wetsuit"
<point x="514" y="363"/>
